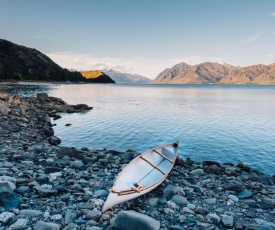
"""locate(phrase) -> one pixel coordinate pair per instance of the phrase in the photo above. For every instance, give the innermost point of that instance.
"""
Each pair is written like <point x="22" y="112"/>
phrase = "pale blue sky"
<point x="142" y="36"/>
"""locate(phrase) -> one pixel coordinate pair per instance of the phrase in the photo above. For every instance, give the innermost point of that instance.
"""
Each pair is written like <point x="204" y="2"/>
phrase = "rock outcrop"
<point x="96" y="76"/>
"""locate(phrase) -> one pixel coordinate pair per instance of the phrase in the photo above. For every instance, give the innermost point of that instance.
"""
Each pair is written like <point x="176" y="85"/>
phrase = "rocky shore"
<point x="47" y="186"/>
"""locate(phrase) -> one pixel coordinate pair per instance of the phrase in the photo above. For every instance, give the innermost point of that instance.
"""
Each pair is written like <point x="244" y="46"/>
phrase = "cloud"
<point x="271" y="56"/>
<point x="148" y="67"/>
<point x="272" y="14"/>
<point x="139" y="65"/>
<point x="79" y="62"/>
<point x="250" y="39"/>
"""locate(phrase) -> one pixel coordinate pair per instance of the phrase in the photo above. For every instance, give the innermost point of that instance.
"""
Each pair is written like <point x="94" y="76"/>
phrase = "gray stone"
<point x="56" y="217"/>
<point x="30" y="212"/>
<point x="153" y="201"/>
<point x="245" y="194"/>
<point x="54" y="140"/>
<point x="8" y="178"/>
<point x="19" y="224"/>
<point x="201" y="210"/>
<point x="234" y="198"/>
<point x="236" y="187"/>
<point x="168" y="192"/>
<point x="214" y="218"/>
<point x="11" y="201"/>
<point x="211" y="201"/>
<point x="265" y="224"/>
<point x="126" y="220"/>
<point x="76" y="164"/>
<point x="3" y="108"/>
<point x="42" y="191"/>
<point x="186" y="209"/>
<point x="41" y="225"/>
<point x="197" y="188"/>
<point x="5" y="217"/>
<point x="71" y="226"/>
<point x="6" y="187"/>
<point x="197" y="172"/>
<point x="191" y="206"/>
<point x="179" y="200"/>
<point x="22" y="190"/>
<point x="204" y="226"/>
<point x="92" y="214"/>
<point x="70" y="216"/>
<point x="70" y="152"/>
<point x="42" y="96"/>
<point x="227" y="221"/>
<point x="100" y="193"/>
<point x="85" y="206"/>
<point x="270" y="202"/>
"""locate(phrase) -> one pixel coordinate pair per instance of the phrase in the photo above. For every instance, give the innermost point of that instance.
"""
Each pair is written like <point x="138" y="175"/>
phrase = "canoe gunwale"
<point x="141" y="188"/>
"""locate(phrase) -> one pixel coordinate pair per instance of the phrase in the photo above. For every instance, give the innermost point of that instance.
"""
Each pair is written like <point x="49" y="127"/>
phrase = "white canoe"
<point x="142" y="174"/>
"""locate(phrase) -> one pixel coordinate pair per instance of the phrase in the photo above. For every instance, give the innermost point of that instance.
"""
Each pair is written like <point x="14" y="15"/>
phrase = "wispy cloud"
<point x="86" y="61"/>
<point x="271" y="56"/>
<point x="148" y="67"/>
<point x="250" y="39"/>
<point x="139" y="65"/>
<point x="272" y="14"/>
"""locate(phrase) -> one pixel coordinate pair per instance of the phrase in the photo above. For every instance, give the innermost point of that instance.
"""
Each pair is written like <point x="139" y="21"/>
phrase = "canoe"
<point x="142" y="174"/>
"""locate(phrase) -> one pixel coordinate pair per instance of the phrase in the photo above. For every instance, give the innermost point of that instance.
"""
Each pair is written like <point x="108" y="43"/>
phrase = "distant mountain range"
<point x="220" y="73"/>
<point x="120" y="77"/>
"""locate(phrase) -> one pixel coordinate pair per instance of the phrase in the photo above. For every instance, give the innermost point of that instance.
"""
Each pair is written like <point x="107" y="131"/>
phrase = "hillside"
<point x="21" y="63"/>
<point x="220" y="73"/>
<point x="96" y="76"/>
<point x="120" y="77"/>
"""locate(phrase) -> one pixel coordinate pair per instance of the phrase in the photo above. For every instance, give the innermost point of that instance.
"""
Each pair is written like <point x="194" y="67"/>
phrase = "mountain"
<point x="220" y="73"/>
<point x="96" y="76"/>
<point x="119" y="77"/>
<point x="21" y="63"/>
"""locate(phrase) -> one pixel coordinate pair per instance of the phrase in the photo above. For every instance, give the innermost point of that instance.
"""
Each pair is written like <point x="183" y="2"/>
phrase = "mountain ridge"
<point x="217" y="73"/>
<point x="18" y="62"/>
<point x="120" y="77"/>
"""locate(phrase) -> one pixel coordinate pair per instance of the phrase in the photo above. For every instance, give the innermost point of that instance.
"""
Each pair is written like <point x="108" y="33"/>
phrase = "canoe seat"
<point x="163" y="156"/>
<point x="136" y="187"/>
<point x="150" y="163"/>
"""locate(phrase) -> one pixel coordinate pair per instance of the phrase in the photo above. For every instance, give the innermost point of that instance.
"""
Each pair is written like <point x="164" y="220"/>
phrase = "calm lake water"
<point x="224" y="123"/>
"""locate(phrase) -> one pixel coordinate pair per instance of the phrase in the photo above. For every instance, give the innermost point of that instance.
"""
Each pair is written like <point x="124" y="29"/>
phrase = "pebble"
<point x="6" y="217"/>
<point x="197" y="172"/>
<point x="126" y="220"/>
<point x="19" y="224"/>
<point x="30" y="212"/>
<point x="41" y="225"/>
<point x="227" y="221"/>
<point x="179" y="200"/>
<point x="211" y="201"/>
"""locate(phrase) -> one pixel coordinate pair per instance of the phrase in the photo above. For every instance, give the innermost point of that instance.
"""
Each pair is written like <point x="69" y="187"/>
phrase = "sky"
<point x="142" y="36"/>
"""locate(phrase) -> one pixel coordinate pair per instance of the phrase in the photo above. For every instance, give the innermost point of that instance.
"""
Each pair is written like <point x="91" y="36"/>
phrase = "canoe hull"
<point x="114" y="198"/>
<point x="142" y="174"/>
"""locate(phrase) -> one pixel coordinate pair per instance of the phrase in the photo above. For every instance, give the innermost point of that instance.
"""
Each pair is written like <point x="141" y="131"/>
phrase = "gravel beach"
<point x="44" y="185"/>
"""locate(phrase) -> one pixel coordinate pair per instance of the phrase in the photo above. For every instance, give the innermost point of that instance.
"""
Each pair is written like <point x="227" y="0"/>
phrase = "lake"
<point x="224" y="123"/>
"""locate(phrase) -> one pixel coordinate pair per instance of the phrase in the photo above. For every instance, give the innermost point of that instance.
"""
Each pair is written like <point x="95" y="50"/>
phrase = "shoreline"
<point x="44" y="184"/>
